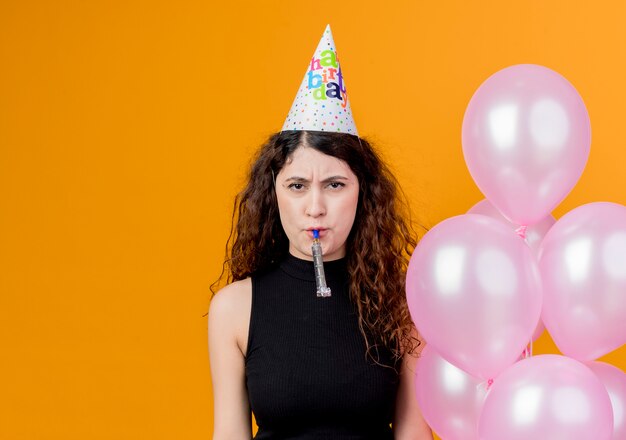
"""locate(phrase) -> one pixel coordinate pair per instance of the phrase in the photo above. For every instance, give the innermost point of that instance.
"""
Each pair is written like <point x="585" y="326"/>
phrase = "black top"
<point x="307" y="373"/>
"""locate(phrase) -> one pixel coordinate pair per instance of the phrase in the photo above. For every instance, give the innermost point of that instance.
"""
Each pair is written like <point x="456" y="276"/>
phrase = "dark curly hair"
<point x="377" y="249"/>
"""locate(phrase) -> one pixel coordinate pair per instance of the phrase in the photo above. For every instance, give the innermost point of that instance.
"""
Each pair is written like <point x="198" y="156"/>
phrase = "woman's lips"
<point x="321" y="231"/>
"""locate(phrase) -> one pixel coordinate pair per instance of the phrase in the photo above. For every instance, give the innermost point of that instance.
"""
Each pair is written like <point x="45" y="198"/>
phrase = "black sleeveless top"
<point x="307" y="373"/>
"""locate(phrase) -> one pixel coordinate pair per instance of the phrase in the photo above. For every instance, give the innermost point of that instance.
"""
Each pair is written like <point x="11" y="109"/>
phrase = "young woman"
<point x="310" y="367"/>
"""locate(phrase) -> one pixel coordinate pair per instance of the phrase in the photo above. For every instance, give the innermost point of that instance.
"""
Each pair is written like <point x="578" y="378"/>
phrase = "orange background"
<point x="125" y="131"/>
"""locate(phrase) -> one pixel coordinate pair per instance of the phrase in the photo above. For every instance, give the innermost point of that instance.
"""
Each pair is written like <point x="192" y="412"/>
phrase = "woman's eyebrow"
<point x="296" y="179"/>
<point x="331" y="178"/>
<point x="299" y="179"/>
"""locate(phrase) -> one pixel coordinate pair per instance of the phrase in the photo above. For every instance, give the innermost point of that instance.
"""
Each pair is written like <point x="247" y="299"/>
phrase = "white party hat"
<point x="322" y="101"/>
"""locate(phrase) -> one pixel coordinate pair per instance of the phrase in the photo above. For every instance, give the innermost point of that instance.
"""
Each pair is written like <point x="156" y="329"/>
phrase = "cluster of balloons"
<point x="481" y="286"/>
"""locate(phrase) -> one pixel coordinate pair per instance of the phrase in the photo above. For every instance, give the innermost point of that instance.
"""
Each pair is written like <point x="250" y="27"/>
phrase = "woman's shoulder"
<point x="229" y="312"/>
<point x="232" y="299"/>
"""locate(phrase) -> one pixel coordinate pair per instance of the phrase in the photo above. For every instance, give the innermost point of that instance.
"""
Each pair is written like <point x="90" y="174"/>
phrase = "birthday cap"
<point x="322" y="101"/>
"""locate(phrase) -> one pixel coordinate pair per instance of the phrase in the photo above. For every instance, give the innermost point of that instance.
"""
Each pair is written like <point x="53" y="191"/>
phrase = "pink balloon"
<point x="583" y="266"/>
<point x="547" y="397"/>
<point x="536" y="334"/>
<point x="474" y="292"/>
<point x="449" y="398"/>
<point x="526" y="137"/>
<point x="534" y="233"/>
<point x="533" y="236"/>
<point x="614" y="381"/>
<point x="538" y="330"/>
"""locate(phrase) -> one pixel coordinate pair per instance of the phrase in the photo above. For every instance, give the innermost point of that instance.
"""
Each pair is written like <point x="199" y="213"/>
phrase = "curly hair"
<point x="377" y="249"/>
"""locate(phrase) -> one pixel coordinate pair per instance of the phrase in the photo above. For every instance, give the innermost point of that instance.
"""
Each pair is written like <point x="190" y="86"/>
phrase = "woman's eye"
<point x="336" y="185"/>
<point x="296" y="186"/>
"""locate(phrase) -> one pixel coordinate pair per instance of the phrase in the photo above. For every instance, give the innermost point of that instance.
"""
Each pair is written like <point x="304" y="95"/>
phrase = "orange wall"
<point x="125" y="129"/>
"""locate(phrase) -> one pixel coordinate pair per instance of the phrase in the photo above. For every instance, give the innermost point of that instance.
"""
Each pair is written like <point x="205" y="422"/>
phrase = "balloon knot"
<point x="521" y="231"/>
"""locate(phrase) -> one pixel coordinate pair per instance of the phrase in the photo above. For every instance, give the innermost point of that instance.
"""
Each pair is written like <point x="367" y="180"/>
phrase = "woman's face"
<point x="316" y="191"/>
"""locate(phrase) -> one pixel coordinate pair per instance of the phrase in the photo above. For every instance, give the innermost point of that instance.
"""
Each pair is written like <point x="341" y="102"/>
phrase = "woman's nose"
<point x="315" y="204"/>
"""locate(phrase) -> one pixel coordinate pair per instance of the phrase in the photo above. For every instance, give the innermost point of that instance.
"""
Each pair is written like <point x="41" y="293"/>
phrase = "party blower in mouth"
<point x="323" y="290"/>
